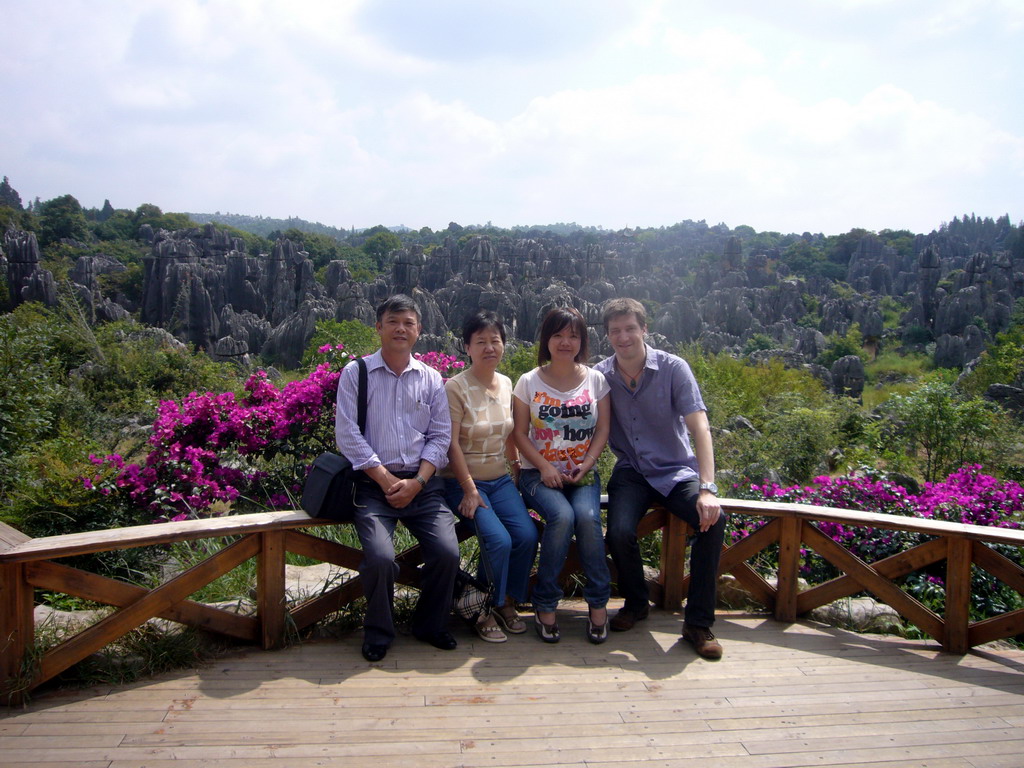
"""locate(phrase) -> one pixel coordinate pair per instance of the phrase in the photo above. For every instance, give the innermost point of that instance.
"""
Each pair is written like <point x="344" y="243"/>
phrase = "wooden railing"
<point x="28" y="564"/>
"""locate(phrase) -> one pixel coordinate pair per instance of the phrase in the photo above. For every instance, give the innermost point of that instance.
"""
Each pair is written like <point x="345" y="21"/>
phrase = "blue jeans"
<point x="566" y="511"/>
<point x="506" y="532"/>
<point x="629" y="498"/>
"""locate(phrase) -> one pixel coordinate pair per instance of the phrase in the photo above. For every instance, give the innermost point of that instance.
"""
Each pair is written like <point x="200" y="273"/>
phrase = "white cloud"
<point x="645" y="116"/>
<point x="714" y="48"/>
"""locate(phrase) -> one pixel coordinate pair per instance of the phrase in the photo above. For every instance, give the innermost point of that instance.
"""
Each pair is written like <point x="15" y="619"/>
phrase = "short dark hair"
<point x="481" y="321"/>
<point x="617" y="307"/>
<point x="397" y="303"/>
<point x="554" y="321"/>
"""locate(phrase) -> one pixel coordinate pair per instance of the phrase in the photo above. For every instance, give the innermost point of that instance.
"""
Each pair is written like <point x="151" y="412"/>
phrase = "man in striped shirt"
<point x="408" y="430"/>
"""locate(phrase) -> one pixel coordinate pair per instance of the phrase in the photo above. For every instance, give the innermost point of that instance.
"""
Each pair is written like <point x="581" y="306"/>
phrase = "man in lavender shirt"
<point x="656" y="409"/>
<point x="408" y="429"/>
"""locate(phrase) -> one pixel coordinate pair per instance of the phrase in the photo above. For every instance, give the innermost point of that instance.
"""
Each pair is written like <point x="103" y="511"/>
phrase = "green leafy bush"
<point x="356" y="339"/>
<point x="942" y="428"/>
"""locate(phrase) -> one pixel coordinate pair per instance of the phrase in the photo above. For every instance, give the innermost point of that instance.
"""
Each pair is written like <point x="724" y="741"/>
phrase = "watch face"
<point x="709" y="487"/>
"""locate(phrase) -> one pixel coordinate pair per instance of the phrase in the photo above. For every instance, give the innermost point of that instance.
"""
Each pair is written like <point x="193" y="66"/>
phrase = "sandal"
<point x="511" y="620"/>
<point x="597" y="633"/>
<point x="546" y="632"/>
<point x="489" y="633"/>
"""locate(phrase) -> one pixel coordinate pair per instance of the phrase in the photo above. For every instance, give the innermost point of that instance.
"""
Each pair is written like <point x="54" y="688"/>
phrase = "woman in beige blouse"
<point x="478" y="485"/>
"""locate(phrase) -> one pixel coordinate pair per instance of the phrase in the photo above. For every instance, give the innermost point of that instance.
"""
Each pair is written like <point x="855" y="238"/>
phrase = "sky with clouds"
<point x="791" y="115"/>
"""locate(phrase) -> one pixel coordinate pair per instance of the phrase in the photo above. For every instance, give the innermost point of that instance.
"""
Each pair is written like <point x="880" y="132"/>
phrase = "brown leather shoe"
<point x="625" y="619"/>
<point x="703" y="641"/>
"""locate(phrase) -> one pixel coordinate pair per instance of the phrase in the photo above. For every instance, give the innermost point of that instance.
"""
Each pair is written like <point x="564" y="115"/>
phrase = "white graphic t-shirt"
<point x="561" y="423"/>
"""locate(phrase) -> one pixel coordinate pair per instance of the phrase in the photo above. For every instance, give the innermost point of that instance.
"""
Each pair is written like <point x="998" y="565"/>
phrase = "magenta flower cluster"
<point x="212" y="448"/>
<point x="444" y="364"/>
<point x="968" y="495"/>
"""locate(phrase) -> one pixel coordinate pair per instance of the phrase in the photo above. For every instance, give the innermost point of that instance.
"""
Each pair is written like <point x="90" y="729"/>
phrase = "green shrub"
<point x="518" y="359"/>
<point x="841" y="346"/>
<point x="357" y="340"/>
<point x="1003" y="361"/>
<point x="944" y="429"/>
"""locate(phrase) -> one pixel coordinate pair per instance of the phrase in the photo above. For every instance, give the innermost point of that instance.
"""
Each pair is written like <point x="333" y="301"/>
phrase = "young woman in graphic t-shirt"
<point x="562" y="416"/>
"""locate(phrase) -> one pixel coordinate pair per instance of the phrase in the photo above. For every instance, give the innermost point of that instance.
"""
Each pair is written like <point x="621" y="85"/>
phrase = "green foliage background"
<point x="68" y="389"/>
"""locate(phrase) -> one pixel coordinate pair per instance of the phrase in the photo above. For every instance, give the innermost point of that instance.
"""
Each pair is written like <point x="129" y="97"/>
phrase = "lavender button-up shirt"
<point x="407" y="417"/>
<point x="648" y="429"/>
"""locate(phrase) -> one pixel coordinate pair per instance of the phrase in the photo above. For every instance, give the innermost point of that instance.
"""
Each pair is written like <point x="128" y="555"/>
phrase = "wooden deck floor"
<point x="784" y="695"/>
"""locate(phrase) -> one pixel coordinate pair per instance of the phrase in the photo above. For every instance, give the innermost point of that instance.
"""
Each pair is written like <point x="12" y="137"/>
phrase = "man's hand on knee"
<point x="709" y="510"/>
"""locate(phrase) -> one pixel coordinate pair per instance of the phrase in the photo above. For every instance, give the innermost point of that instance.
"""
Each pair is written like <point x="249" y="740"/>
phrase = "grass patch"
<point x="892" y="367"/>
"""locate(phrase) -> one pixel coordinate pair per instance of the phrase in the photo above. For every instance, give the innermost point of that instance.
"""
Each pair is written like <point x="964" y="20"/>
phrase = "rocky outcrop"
<point x="26" y="279"/>
<point x="848" y="376"/>
<point x="203" y="286"/>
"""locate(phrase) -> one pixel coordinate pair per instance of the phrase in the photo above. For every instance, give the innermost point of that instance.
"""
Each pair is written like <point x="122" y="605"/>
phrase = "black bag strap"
<point x="363" y="387"/>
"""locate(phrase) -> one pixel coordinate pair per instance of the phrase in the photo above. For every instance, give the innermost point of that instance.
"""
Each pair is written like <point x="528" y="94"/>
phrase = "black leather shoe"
<point x="442" y="640"/>
<point x="374" y="651"/>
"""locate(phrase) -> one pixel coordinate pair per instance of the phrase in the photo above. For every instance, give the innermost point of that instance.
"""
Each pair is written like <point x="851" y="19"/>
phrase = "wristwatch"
<point x="709" y="487"/>
<point x="419" y="479"/>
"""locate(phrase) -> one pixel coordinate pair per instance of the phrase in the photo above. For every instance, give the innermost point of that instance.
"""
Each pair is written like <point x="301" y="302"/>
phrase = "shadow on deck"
<point x="797" y="694"/>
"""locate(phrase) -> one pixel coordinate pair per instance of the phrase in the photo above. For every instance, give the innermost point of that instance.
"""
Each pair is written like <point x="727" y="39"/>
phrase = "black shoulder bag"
<point x="330" y="487"/>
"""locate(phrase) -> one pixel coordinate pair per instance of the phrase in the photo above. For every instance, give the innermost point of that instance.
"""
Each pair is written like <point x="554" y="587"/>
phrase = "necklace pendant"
<point x="632" y="383"/>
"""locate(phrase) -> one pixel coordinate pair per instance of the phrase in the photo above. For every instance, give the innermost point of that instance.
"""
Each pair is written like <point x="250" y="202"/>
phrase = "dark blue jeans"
<point x="506" y="532"/>
<point x="629" y="499"/>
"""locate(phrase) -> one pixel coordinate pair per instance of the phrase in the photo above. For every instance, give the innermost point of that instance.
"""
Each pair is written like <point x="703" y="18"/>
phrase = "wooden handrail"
<point x="25" y="565"/>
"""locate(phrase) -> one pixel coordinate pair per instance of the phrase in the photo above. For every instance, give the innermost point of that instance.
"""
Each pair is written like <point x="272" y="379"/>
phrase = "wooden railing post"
<point x="17" y="628"/>
<point x="958" y="594"/>
<point x="270" y="596"/>
<point x="673" y="562"/>
<point x="789" y="567"/>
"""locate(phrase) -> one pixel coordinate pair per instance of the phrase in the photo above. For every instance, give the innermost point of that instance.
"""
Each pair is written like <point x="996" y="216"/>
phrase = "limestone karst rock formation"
<point x="201" y="285"/>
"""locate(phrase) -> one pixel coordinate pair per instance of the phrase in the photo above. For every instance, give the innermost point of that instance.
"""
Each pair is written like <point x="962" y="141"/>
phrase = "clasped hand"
<point x="401" y="492"/>
<point x="553" y="478"/>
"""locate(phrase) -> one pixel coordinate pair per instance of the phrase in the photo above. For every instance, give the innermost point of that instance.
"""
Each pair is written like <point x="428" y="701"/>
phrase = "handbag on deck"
<point x="330" y="487"/>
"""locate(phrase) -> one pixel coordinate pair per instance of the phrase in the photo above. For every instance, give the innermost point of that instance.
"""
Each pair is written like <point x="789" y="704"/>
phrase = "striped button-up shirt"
<point x="406" y="417"/>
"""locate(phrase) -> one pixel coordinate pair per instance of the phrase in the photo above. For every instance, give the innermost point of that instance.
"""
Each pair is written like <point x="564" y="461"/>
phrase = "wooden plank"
<point x="673" y="563"/>
<point x="787" y="584"/>
<point x="11" y="537"/>
<point x="747" y="547"/>
<point x="71" y="581"/>
<point x="315" y="609"/>
<point x="996" y="628"/>
<point x="874" y="520"/>
<point x="958" y="595"/>
<point x="759" y="589"/>
<point x="873" y="582"/>
<point x="653" y="521"/>
<point x="158" y="600"/>
<point x="323" y="550"/>
<point x="157" y="533"/>
<point x="270" y="597"/>
<point x="1000" y="566"/>
<point x="734" y="559"/>
<point x="892" y="568"/>
<point x="17" y="631"/>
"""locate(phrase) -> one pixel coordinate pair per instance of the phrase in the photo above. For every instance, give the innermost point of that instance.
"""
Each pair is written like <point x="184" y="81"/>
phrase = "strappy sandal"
<point x="546" y="632"/>
<point x="597" y="633"/>
<point x="512" y="623"/>
<point x="490" y="633"/>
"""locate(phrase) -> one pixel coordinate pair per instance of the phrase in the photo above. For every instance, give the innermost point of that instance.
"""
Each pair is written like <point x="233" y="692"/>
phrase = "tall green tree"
<point x="9" y="195"/>
<point x="61" y="218"/>
<point x="380" y="244"/>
